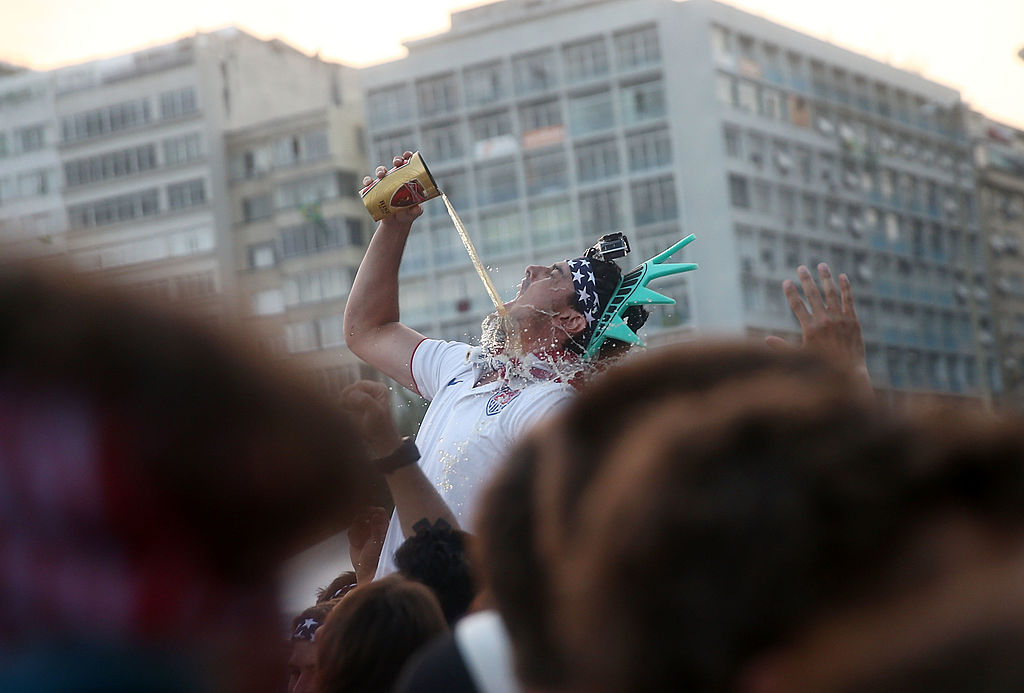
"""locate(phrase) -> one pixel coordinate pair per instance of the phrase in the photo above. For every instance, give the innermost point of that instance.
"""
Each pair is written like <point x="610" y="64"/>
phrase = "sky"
<point x="971" y="46"/>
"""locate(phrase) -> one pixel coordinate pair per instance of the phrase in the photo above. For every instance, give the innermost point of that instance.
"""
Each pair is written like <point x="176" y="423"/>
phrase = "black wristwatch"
<point x="405" y="454"/>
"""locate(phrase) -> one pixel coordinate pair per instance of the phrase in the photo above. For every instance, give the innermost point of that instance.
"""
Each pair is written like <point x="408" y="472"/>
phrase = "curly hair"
<point x="436" y="556"/>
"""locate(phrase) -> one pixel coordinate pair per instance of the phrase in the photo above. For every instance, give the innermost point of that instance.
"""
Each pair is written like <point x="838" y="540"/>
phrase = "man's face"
<point x="542" y="308"/>
<point x="302" y="667"/>
<point x="545" y="289"/>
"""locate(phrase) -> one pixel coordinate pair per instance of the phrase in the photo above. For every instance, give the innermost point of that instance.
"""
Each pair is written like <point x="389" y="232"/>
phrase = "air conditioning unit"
<point x="851" y="179"/>
<point x="835" y="220"/>
<point x="783" y="162"/>
<point x="864" y="272"/>
<point x="825" y="127"/>
<point x="997" y="244"/>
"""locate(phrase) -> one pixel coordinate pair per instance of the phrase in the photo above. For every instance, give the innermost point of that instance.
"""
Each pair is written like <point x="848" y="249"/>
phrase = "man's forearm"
<point x="373" y="301"/>
<point x="416" y="498"/>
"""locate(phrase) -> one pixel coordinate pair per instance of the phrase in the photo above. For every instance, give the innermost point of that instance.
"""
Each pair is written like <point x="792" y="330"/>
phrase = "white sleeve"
<point x="435" y="362"/>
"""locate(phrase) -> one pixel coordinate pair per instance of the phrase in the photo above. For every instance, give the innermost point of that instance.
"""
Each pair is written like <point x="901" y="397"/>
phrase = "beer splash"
<point x="512" y="346"/>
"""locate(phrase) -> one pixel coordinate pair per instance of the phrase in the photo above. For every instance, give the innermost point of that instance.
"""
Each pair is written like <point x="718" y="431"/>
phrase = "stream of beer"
<point x="511" y="333"/>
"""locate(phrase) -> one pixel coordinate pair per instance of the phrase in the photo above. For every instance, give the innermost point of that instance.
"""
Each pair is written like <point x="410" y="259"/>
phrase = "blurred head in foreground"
<point x="774" y="534"/>
<point x="154" y="477"/>
<point x="372" y="633"/>
<point x="530" y="507"/>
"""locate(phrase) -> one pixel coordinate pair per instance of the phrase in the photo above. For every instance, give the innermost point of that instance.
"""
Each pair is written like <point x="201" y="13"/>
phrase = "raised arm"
<point x="415" y="497"/>
<point x="830" y="325"/>
<point x="372" y="328"/>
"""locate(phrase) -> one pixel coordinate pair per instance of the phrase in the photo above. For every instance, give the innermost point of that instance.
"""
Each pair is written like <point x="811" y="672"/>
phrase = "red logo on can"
<point x="408" y="194"/>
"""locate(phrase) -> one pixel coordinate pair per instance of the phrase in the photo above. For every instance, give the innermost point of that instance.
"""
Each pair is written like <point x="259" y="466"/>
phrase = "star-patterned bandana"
<point x="306" y="630"/>
<point x="586" y="289"/>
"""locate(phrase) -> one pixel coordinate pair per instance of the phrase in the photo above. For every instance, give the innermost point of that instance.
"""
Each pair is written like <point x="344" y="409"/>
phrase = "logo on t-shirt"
<point x="500" y="399"/>
<point x="453" y="381"/>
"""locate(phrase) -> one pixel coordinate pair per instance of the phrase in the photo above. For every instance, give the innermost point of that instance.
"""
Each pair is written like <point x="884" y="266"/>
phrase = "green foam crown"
<point x="633" y="291"/>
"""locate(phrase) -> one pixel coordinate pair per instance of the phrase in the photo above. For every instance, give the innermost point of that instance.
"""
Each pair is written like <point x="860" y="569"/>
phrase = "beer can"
<point x="403" y="186"/>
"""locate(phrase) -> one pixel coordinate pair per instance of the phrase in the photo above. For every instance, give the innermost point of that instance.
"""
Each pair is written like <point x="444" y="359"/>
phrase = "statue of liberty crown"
<point x="632" y="291"/>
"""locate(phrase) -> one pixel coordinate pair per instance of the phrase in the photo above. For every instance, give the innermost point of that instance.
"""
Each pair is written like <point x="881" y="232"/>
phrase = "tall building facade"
<point x="300" y="229"/>
<point x="32" y="217"/>
<point x="132" y="162"/>
<point x="550" y="123"/>
<point x="999" y="159"/>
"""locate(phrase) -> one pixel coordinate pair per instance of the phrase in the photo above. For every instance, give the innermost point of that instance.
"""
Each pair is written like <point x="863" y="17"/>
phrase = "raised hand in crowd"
<point x="365" y="539"/>
<point x="829" y="324"/>
<point x="414" y="495"/>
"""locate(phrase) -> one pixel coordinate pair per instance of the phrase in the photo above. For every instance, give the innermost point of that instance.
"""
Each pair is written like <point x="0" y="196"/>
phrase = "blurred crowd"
<point x="713" y="517"/>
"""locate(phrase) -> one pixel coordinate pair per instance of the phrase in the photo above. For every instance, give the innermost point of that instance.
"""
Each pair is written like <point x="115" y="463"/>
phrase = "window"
<point x="501" y="233"/>
<point x="721" y="43"/>
<point x="591" y="113"/>
<point x="182" y="150"/>
<point x="3" y="145"/>
<point x="113" y="210"/>
<point x="489" y="126"/>
<point x="257" y="207"/>
<point x="442" y="143"/>
<point x="637" y="48"/>
<point x="262" y="255"/>
<point x="739" y="192"/>
<point x="187" y="194"/>
<point x="317" y="286"/>
<point x="389" y="105"/>
<point x="540" y="115"/>
<point x="496" y="183"/>
<point x="642" y="102"/>
<point x="29" y="139"/>
<point x="107" y="166"/>
<point x="733" y="142"/>
<point x="601" y="211"/>
<point x="483" y="84"/>
<point x="597" y="160"/>
<point x="88" y="124"/>
<point x="725" y="89"/>
<point x="315" y="145"/>
<point x="585" y="60"/>
<point x="545" y="172"/>
<point x="269" y="302"/>
<point x="331" y="331"/>
<point x="437" y="95"/>
<point x="318" y="235"/>
<point x="456" y="186"/>
<point x="35" y="183"/>
<point x="446" y="246"/>
<point x="653" y="201"/>
<point x="177" y="103"/>
<point x="534" y="71"/>
<point x="649" y="149"/>
<point x="305" y="191"/>
<point x="773" y="104"/>
<point x="386" y="147"/>
<point x="551" y="223"/>
<point x="300" y="336"/>
<point x="762" y="196"/>
<point x="746" y="96"/>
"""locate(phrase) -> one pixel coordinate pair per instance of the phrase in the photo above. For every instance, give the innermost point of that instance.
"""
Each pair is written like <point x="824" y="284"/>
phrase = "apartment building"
<point x="300" y="229"/>
<point x="32" y="218"/>
<point x="999" y="159"/>
<point x="549" y="123"/>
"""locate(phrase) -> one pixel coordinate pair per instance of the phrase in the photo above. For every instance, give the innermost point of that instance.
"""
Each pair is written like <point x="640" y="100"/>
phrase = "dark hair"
<point x="528" y="507"/>
<point x="436" y="556"/>
<point x="607" y="275"/>
<point x="372" y="633"/>
<point x="764" y="504"/>
<point x="248" y="456"/>
<point x="337" y="588"/>
<point x="512" y="570"/>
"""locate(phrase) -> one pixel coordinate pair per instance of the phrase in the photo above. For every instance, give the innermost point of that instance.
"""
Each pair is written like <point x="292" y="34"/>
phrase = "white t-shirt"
<point x="467" y="430"/>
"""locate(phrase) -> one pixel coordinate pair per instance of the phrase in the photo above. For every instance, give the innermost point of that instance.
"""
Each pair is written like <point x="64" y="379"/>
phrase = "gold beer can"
<point x="403" y="186"/>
